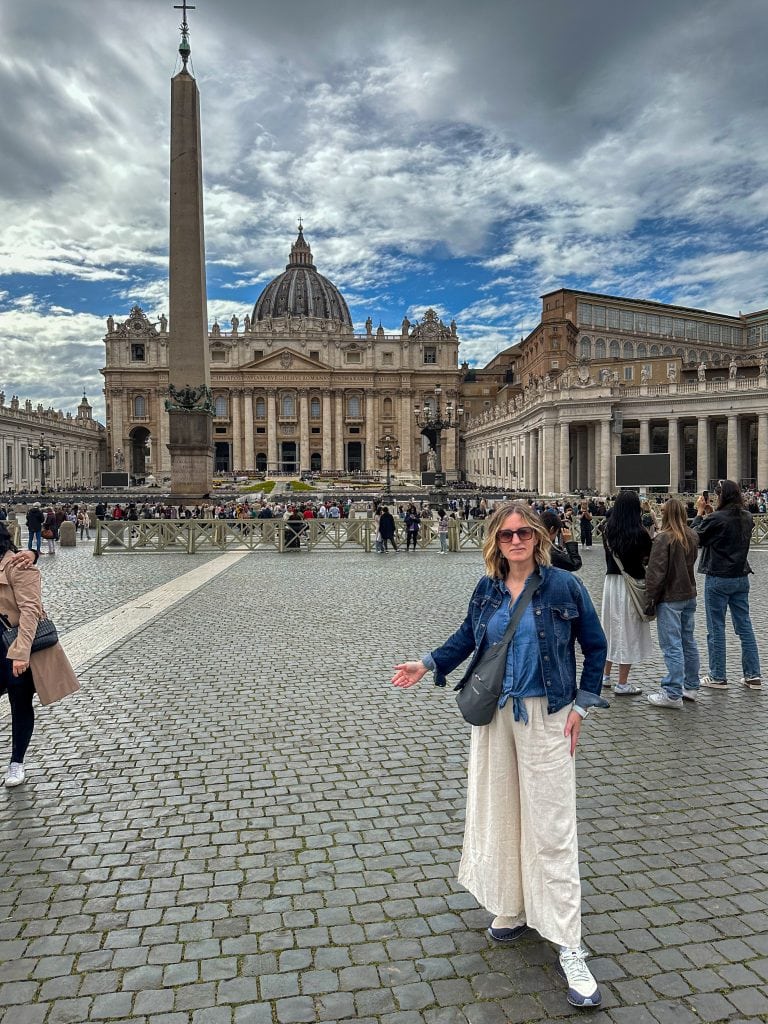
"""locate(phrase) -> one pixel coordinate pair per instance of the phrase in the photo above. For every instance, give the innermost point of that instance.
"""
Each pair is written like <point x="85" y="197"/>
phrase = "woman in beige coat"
<point x="22" y="674"/>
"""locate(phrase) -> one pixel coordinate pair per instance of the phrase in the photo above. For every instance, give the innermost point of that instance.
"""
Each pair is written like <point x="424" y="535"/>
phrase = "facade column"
<point x="605" y="457"/>
<point x="304" y="429"/>
<point x="272" y="461"/>
<point x="249" y="459"/>
<point x="327" y="429"/>
<point x="702" y="454"/>
<point x="564" y="481"/>
<point x="406" y="434"/>
<point x="159" y="443"/>
<point x="235" y="397"/>
<point x="582" y="444"/>
<point x="645" y="437"/>
<point x="526" y="471"/>
<point x="370" y="432"/>
<point x="762" y="450"/>
<point x="548" y="458"/>
<point x="673" y="447"/>
<point x="338" y="432"/>
<point x="591" y="460"/>
<point x="732" y="460"/>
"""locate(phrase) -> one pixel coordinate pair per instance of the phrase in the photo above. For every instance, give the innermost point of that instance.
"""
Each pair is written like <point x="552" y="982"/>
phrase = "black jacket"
<point x="724" y="541"/>
<point x="566" y="557"/>
<point x="35" y="519"/>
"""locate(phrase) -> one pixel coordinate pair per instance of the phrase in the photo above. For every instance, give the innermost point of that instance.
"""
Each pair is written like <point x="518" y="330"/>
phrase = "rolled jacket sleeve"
<point x="25" y="584"/>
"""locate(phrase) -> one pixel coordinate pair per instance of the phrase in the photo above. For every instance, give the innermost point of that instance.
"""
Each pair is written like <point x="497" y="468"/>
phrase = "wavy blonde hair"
<point x="674" y="521"/>
<point x="496" y="565"/>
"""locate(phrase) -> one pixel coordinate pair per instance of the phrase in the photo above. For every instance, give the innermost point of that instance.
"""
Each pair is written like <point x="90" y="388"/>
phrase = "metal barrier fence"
<point x="188" y="536"/>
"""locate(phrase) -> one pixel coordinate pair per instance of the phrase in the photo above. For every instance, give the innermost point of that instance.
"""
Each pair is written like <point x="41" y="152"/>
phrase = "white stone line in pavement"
<point x="88" y="641"/>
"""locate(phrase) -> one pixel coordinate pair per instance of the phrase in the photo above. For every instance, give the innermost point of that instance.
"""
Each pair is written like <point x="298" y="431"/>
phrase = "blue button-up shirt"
<point x="523" y="676"/>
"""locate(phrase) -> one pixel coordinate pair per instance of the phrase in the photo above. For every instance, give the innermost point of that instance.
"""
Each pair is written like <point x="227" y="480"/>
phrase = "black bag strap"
<point x="532" y="585"/>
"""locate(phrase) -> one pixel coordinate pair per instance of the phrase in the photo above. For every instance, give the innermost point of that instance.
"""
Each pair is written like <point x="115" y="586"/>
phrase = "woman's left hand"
<point x="20" y="667"/>
<point x="573" y="728"/>
<point x="22" y="559"/>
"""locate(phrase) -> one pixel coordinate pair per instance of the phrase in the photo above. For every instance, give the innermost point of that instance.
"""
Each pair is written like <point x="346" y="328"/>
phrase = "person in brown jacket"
<point x="22" y="674"/>
<point x="670" y="587"/>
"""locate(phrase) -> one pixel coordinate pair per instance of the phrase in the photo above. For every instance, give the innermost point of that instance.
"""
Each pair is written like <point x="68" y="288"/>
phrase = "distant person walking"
<point x="629" y="637"/>
<point x="670" y="586"/>
<point x="585" y="527"/>
<point x="412" y="527"/>
<point x="724" y="538"/>
<point x="387" y="530"/>
<point x="35" y="520"/>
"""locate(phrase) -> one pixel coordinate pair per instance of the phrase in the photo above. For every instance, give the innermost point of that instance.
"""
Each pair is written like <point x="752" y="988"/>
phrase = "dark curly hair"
<point x="6" y="544"/>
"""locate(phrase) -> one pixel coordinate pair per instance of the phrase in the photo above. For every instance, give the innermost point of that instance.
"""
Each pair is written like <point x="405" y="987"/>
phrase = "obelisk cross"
<point x="184" y="48"/>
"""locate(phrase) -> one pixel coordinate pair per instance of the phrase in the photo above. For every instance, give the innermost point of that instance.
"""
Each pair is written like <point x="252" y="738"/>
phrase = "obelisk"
<point x="189" y="405"/>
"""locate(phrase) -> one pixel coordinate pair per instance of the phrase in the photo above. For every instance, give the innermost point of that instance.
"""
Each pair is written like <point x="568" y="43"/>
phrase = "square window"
<point x="629" y="373"/>
<point x="314" y="430"/>
<point x="258" y="353"/>
<point x="430" y="354"/>
<point x="315" y="354"/>
<point x="138" y="353"/>
<point x="261" y="430"/>
<point x="354" y="430"/>
<point x="387" y="358"/>
<point x="354" y="357"/>
<point x="218" y="355"/>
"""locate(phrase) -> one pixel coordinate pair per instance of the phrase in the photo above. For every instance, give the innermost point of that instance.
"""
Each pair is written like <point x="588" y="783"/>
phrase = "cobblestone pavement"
<point x="240" y="821"/>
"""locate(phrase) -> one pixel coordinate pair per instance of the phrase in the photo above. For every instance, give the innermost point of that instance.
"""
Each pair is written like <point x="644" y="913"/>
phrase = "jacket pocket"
<point x="563" y="617"/>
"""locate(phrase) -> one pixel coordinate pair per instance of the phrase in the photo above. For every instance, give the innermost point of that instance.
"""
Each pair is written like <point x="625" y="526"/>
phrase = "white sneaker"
<point x="15" y="774"/>
<point x="660" y="699"/>
<point x="690" y="694"/>
<point x="582" y="987"/>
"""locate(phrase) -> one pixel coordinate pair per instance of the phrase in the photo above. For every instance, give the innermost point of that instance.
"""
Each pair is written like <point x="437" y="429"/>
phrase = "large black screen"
<point x="642" y="470"/>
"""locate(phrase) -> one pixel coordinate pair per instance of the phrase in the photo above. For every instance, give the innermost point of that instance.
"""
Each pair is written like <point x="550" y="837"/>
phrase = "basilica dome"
<point x="301" y="291"/>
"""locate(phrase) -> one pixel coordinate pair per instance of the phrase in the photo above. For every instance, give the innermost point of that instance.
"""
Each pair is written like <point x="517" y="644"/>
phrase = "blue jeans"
<point x="720" y="594"/>
<point x="674" y="622"/>
<point x="37" y="537"/>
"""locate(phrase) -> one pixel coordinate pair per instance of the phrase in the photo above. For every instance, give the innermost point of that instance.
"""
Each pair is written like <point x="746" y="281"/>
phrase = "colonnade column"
<point x="249" y="460"/>
<point x="564" y="481"/>
<point x="327" y="429"/>
<point x="702" y="453"/>
<point x="272" y="462"/>
<point x="732" y="460"/>
<point x="591" y="459"/>
<point x="534" y="465"/>
<point x="237" y="430"/>
<point x="304" y="461"/>
<point x="370" y="432"/>
<point x="605" y="457"/>
<point x="548" y="459"/>
<point x="762" y="450"/>
<point x="526" y="475"/>
<point x="159" y="444"/>
<point x="582" y="447"/>
<point x="673" y="447"/>
<point x="338" y="432"/>
<point x="645" y="436"/>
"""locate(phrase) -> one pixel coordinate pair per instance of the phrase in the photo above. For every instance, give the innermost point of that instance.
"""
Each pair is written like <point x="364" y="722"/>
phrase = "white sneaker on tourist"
<point x="661" y="699"/>
<point x="582" y="987"/>
<point x="15" y="774"/>
<point x="690" y="694"/>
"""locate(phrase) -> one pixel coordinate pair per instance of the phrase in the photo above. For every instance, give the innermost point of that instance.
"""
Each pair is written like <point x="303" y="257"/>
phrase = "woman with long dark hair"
<point x="629" y="636"/>
<point x="670" y="586"/>
<point x="724" y="538"/>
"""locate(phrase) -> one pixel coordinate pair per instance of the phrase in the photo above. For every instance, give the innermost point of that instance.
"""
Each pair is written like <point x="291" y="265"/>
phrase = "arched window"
<point x="655" y="350"/>
<point x="353" y="406"/>
<point x="387" y="408"/>
<point x="139" y="406"/>
<point x="642" y="351"/>
<point x="586" y="348"/>
<point x="703" y="356"/>
<point x="628" y="350"/>
<point x="667" y="350"/>
<point x="220" y="406"/>
<point x="288" y="405"/>
<point x="692" y="357"/>
<point x="314" y="408"/>
<point x="614" y="349"/>
<point x="261" y="408"/>
<point x="680" y="352"/>
<point x="600" y="349"/>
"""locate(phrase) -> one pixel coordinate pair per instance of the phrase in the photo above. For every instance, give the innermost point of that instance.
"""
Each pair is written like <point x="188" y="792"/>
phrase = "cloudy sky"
<point x="462" y="154"/>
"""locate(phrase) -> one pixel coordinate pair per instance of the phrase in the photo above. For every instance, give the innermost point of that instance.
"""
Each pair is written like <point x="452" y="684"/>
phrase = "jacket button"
<point x="546" y="657"/>
<point x="541" y="633"/>
<point x="538" y="611"/>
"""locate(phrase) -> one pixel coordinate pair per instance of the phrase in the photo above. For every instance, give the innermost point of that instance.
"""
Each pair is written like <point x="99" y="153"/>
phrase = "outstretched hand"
<point x="408" y="674"/>
<point x="573" y="728"/>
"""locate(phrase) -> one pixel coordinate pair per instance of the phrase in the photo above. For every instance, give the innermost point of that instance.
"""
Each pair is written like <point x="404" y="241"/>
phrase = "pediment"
<point x="283" y="361"/>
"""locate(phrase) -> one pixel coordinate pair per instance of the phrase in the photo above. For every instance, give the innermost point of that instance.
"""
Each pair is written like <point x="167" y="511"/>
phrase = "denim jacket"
<point x="564" y="613"/>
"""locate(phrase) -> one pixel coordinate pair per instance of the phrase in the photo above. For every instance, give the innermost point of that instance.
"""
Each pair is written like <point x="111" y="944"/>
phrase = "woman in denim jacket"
<point x="520" y="855"/>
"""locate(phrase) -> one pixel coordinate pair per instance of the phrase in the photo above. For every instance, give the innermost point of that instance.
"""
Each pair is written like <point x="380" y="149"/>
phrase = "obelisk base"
<point x="191" y="446"/>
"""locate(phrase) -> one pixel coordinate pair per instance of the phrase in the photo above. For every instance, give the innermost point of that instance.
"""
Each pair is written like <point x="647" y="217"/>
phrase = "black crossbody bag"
<point x="479" y="697"/>
<point x="45" y="635"/>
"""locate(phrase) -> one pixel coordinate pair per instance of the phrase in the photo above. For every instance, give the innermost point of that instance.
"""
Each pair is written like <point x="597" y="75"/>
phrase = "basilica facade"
<point x="295" y="389"/>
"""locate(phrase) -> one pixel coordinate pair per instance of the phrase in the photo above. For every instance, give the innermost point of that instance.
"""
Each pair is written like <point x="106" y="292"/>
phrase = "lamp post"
<point x="434" y="421"/>
<point x="388" y="451"/>
<point x="44" y="453"/>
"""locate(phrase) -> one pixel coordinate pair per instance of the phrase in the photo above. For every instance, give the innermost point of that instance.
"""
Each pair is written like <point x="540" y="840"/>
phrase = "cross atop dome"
<point x="301" y="254"/>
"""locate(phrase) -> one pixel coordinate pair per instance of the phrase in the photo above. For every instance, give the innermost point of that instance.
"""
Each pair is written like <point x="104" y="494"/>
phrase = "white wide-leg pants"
<point x="520" y="858"/>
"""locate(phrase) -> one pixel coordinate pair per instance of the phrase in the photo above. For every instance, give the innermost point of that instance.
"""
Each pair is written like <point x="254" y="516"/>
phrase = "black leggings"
<point x="20" y="694"/>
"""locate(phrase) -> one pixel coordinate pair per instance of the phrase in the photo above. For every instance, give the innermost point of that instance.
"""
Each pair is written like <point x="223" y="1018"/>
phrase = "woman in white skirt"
<point x="520" y="858"/>
<point x="629" y="636"/>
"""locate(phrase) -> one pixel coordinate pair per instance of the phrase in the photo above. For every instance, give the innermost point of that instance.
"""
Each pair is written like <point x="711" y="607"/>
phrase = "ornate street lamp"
<point x="434" y="421"/>
<point x="44" y="453"/>
<point x="388" y="451"/>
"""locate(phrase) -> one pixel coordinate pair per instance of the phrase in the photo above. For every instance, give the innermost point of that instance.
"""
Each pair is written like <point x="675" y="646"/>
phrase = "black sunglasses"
<point x="507" y="536"/>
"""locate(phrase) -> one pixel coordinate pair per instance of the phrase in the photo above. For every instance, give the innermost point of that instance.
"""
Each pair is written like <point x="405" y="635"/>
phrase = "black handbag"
<point x="479" y="696"/>
<point x="45" y="635"/>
